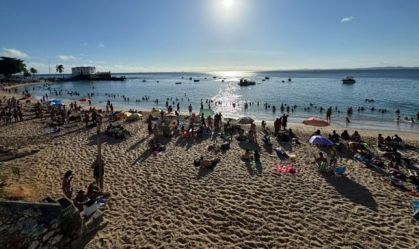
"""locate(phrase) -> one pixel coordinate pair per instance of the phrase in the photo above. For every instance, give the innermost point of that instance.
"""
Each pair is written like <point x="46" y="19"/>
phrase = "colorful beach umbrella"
<point x="313" y="121"/>
<point x="320" y="140"/>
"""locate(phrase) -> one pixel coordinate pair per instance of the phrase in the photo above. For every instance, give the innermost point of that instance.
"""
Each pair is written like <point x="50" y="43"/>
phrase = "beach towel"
<point x="286" y="169"/>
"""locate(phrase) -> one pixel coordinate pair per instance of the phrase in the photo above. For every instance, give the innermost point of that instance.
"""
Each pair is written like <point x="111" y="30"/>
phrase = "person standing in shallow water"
<point x="329" y="114"/>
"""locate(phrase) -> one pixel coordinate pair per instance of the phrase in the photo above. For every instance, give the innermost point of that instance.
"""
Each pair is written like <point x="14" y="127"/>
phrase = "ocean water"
<point x="391" y="89"/>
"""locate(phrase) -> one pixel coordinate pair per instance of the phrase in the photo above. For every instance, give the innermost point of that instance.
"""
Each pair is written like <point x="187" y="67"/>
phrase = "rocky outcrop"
<point x="50" y="224"/>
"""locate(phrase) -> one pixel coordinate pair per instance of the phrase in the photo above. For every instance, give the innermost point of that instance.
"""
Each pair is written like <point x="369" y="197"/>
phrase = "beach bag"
<point x="340" y="170"/>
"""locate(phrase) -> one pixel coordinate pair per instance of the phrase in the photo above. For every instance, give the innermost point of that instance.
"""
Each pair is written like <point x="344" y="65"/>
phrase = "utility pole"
<point x="100" y="162"/>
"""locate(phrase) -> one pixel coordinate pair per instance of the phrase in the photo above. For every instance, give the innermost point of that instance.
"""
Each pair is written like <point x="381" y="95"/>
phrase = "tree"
<point x="26" y="72"/>
<point x="10" y="66"/>
<point x="60" y="69"/>
<point x="33" y="70"/>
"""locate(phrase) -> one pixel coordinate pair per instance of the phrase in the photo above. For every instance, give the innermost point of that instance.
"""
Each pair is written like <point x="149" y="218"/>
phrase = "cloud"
<point x="101" y="45"/>
<point x="11" y="52"/>
<point x="67" y="57"/>
<point x="347" y="19"/>
<point x="84" y="44"/>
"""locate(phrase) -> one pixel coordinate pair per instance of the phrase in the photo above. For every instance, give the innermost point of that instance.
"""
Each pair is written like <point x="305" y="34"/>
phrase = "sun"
<point x="228" y="3"/>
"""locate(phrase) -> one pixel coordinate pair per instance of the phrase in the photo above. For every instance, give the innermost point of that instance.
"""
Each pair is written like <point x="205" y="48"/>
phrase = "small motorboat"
<point x="245" y="82"/>
<point x="289" y="79"/>
<point x="267" y="78"/>
<point x="348" y="80"/>
<point x="178" y="83"/>
<point x="195" y="80"/>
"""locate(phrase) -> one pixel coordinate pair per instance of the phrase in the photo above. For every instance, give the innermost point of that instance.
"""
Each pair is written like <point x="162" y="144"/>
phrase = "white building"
<point x="83" y="71"/>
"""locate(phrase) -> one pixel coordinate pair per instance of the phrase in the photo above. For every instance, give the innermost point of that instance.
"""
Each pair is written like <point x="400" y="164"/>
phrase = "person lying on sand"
<point x="207" y="164"/>
<point x="214" y="148"/>
<point x="155" y="147"/>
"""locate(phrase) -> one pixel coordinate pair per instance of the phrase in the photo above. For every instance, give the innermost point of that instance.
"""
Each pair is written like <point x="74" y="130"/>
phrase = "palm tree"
<point x="33" y="71"/>
<point x="59" y="69"/>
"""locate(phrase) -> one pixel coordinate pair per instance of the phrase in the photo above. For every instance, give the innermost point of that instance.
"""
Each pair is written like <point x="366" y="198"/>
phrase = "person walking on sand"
<point x="98" y="171"/>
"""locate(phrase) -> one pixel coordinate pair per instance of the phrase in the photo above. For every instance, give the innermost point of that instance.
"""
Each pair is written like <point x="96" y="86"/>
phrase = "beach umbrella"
<point x="313" y="121"/>
<point x="320" y="140"/>
<point x="246" y="120"/>
<point x="206" y="112"/>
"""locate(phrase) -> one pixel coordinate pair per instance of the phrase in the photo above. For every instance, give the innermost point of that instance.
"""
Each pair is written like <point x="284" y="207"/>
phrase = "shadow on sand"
<point x="354" y="191"/>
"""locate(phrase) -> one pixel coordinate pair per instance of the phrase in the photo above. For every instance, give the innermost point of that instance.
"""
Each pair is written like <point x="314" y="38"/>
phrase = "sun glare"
<point x="228" y="3"/>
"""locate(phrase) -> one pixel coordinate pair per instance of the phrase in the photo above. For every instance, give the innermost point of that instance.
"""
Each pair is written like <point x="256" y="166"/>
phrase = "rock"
<point x="48" y="235"/>
<point x="34" y="245"/>
<point x="56" y="239"/>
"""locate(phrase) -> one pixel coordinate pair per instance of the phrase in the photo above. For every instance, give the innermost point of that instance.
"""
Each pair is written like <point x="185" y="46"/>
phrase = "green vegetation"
<point x="10" y="66"/>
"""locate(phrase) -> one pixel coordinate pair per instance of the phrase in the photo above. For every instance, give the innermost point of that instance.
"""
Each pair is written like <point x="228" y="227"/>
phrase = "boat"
<point x="246" y="82"/>
<point x="348" y="80"/>
<point x="195" y="80"/>
<point x="289" y="79"/>
<point x="178" y="83"/>
<point x="267" y="78"/>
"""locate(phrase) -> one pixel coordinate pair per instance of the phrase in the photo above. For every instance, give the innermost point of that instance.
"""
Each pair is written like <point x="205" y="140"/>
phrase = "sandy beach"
<point x="166" y="202"/>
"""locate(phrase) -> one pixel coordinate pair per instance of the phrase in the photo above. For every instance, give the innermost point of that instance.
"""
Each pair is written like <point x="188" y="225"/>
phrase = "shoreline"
<point x="372" y="130"/>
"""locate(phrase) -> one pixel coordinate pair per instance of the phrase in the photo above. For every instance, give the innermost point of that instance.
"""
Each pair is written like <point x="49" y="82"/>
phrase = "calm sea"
<point x="390" y="89"/>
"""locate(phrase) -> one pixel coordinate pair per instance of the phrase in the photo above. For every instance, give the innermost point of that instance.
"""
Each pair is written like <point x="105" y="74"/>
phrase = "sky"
<point x="210" y="35"/>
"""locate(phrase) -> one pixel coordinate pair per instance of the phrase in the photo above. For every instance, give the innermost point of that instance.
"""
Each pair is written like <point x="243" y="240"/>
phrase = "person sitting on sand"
<point x="93" y="191"/>
<point x="335" y="137"/>
<point x="321" y="159"/>
<point x="67" y="184"/>
<point x="380" y="141"/>
<point x="80" y="200"/>
<point x="263" y="124"/>
<point x="225" y="146"/>
<point x="356" y="137"/>
<point x="397" y="141"/>
<point x="317" y="133"/>
<point x="267" y="140"/>
<point x="345" y="135"/>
